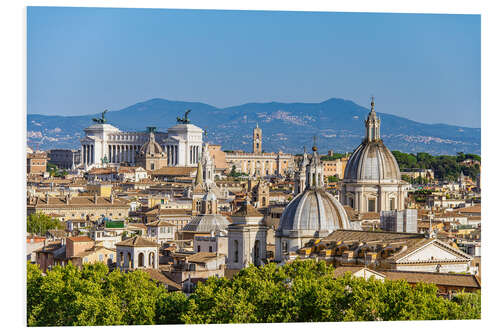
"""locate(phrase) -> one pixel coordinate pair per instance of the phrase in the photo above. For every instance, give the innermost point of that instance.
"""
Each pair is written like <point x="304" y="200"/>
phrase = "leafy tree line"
<point x="445" y="167"/>
<point x="39" y="223"/>
<point x="333" y="157"/>
<point x="54" y="170"/>
<point x="303" y="291"/>
<point x="235" y="174"/>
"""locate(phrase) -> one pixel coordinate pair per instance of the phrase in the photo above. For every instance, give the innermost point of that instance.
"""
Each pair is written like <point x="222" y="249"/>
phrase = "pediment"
<point x="434" y="251"/>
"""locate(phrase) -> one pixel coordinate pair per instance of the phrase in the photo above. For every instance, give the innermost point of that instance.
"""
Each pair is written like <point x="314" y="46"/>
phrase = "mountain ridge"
<point x="337" y="122"/>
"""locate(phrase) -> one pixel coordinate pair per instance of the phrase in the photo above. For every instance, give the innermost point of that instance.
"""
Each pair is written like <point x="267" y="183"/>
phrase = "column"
<point x="92" y="154"/>
<point x="176" y="155"/>
<point x="84" y="153"/>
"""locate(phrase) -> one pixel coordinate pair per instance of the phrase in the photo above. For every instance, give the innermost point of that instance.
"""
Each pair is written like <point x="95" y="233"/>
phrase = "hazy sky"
<point x="422" y="67"/>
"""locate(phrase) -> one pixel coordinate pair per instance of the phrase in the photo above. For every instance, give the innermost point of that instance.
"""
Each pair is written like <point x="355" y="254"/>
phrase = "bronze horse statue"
<point x="185" y="119"/>
<point x="101" y="120"/>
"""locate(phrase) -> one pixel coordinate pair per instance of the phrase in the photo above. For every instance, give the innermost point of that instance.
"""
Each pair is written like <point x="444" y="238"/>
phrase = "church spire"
<point x="199" y="175"/>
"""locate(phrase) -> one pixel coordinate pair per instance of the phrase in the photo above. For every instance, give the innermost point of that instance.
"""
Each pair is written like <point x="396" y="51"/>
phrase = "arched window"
<point x="129" y="260"/>
<point x="141" y="259"/>
<point x="256" y="253"/>
<point x="121" y="259"/>
<point x="236" y="254"/>
<point x="152" y="259"/>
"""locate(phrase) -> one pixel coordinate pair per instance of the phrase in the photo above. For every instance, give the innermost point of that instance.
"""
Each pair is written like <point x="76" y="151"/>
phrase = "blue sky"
<point x="419" y="66"/>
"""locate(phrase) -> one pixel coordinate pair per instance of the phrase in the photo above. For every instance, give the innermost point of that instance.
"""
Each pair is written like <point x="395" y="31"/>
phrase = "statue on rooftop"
<point x="101" y="120"/>
<point x="185" y="119"/>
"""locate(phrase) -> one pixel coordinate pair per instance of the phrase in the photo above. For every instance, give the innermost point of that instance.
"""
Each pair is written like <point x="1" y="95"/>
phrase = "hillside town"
<point x="182" y="209"/>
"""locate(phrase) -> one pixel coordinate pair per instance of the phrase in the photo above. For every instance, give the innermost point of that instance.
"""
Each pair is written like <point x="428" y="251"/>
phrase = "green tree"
<point x="301" y="291"/>
<point x="39" y="223"/>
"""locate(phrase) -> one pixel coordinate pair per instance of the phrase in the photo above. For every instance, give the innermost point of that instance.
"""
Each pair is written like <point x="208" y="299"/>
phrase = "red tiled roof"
<point x="78" y="239"/>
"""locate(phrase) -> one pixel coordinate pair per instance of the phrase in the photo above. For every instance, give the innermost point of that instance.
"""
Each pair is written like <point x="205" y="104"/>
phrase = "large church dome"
<point x="313" y="213"/>
<point x="372" y="161"/>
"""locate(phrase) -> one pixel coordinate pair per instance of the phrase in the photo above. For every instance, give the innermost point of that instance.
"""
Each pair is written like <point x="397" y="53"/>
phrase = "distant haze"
<point x="337" y="123"/>
<point x="418" y="66"/>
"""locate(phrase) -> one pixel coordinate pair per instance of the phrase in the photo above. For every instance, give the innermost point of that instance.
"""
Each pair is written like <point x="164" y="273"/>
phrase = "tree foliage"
<point x="302" y="291"/>
<point x="445" y="167"/>
<point x="39" y="223"/>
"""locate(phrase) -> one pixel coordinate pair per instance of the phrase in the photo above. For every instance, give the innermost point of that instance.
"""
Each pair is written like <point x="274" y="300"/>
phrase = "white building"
<point x="104" y="144"/>
<point x="137" y="252"/>
<point x="247" y="238"/>
<point x="372" y="179"/>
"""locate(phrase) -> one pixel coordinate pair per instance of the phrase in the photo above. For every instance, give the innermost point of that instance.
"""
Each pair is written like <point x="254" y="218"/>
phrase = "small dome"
<point x="372" y="161"/>
<point x="151" y="147"/>
<point x="314" y="213"/>
<point x="207" y="223"/>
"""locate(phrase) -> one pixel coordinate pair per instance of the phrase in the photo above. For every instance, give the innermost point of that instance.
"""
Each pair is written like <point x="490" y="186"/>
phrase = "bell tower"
<point x="257" y="140"/>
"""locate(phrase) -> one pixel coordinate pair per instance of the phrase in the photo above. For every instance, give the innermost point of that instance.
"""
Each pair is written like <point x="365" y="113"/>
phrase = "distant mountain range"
<point x="337" y="123"/>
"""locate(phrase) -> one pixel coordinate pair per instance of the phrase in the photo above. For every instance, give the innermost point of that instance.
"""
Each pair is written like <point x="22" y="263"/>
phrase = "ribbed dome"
<point x="207" y="223"/>
<point x="315" y="213"/>
<point x="372" y="161"/>
<point x="151" y="147"/>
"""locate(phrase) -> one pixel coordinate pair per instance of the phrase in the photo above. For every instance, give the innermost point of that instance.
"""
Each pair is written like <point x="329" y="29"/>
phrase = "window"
<point x="198" y="248"/>
<point x="101" y="258"/>
<point x="285" y="247"/>
<point x="393" y="204"/>
<point x="236" y="250"/>
<point x="209" y="249"/>
<point x="162" y="230"/>
<point x="371" y="205"/>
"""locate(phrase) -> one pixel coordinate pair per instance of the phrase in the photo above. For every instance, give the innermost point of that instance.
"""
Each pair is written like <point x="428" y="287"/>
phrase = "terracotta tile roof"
<point x="157" y="275"/>
<point x="203" y="257"/>
<point x="470" y="209"/>
<point x="137" y="241"/>
<point x="173" y="171"/>
<point x="137" y="225"/>
<point x="364" y="236"/>
<point x="80" y="201"/>
<point x="341" y="270"/>
<point x="78" y="239"/>
<point x="169" y="212"/>
<point x="160" y="224"/>
<point x="247" y="210"/>
<point x="443" y="279"/>
<point x="51" y="247"/>
<point x="102" y="171"/>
